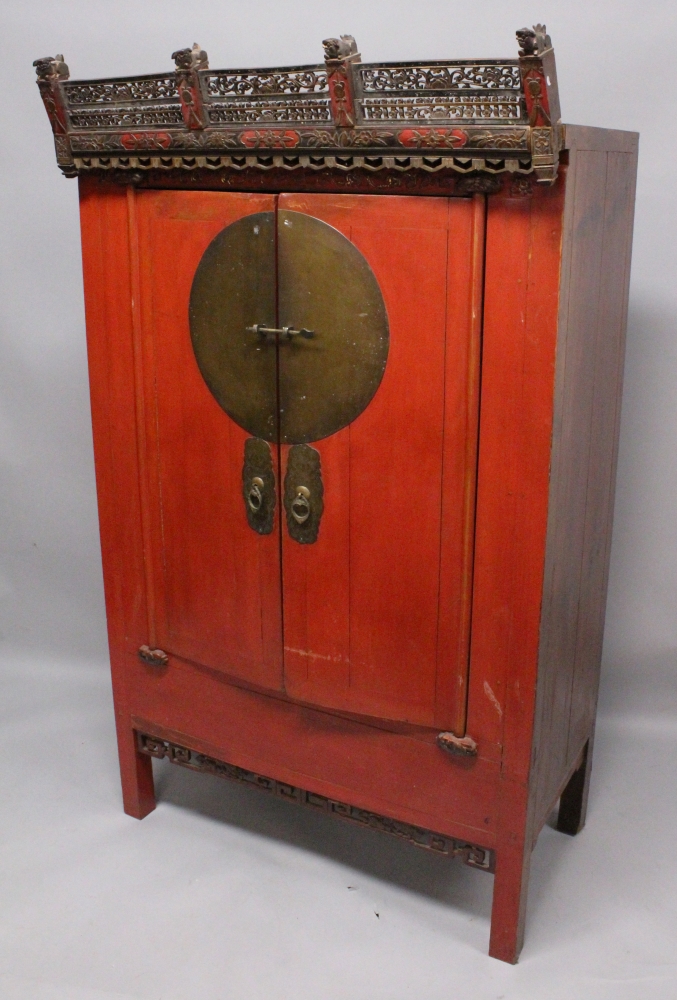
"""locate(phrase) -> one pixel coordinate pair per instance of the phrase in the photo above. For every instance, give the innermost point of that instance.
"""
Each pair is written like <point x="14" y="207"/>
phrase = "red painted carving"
<point x="51" y="71"/>
<point x="340" y="92"/>
<point x="434" y="138"/>
<point x="146" y="140"/>
<point x="339" y="53"/>
<point x="536" y="95"/>
<point x="188" y="63"/>
<point x="191" y="103"/>
<point x="270" y="138"/>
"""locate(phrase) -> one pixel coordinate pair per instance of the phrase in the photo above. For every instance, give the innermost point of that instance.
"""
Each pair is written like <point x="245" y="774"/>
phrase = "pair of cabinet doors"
<point x="332" y="338"/>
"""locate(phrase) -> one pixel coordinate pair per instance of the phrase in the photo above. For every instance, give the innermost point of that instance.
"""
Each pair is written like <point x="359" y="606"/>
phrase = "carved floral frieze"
<point x="263" y="84"/>
<point x="274" y="138"/>
<point x="476" y="77"/>
<point x="433" y="138"/>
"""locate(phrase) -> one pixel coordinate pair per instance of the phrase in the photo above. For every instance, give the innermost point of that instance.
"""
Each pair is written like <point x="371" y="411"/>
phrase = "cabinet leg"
<point x="136" y="773"/>
<point x="573" y="803"/>
<point x="510" y="902"/>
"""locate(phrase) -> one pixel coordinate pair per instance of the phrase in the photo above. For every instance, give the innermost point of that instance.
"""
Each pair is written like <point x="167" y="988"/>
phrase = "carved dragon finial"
<point x="191" y="59"/>
<point x="527" y="41"/>
<point x="339" y="55"/>
<point x="344" y="47"/>
<point x="543" y="41"/>
<point x="541" y="99"/>
<point x="188" y="63"/>
<point x="51" y="72"/>
<point x="533" y="41"/>
<point x="51" y="68"/>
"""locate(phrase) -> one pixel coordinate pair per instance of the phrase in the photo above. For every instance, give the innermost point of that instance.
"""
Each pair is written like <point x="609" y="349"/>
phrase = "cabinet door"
<point x="214" y="582"/>
<point x="376" y="610"/>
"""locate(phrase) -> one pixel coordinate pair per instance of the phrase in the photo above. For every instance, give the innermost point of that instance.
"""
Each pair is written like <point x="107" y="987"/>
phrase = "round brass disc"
<point x="233" y="288"/>
<point x="327" y="286"/>
<point x="325" y="378"/>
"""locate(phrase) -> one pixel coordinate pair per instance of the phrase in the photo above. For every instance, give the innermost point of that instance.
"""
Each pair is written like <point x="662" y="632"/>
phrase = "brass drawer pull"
<point x="283" y="332"/>
<point x="255" y="496"/>
<point x="258" y="486"/>
<point x="300" y="506"/>
<point x="303" y="503"/>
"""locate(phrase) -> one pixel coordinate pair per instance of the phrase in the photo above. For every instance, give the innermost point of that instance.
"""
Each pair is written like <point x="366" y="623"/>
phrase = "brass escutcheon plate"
<point x="258" y="485"/>
<point x="303" y="494"/>
<point x="296" y="388"/>
<point x="233" y="287"/>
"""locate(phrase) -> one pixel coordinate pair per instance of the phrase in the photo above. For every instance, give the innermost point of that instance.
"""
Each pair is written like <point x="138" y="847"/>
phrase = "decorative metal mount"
<point x="471" y="854"/>
<point x="258" y="485"/>
<point x="155" y="657"/>
<point x="303" y="494"/>
<point x="284" y="333"/>
<point x="458" y="746"/>
<point x="467" y="116"/>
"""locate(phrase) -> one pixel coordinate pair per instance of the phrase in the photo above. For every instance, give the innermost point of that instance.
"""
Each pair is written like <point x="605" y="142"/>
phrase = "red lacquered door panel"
<point x="376" y="611"/>
<point x="215" y="582"/>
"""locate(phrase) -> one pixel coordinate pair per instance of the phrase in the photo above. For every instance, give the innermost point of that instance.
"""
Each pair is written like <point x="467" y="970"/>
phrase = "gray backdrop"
<point x="616" y="69"/>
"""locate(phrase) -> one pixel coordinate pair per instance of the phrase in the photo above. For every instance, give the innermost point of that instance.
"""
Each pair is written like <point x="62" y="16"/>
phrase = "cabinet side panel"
<point x="591" y="343"/>
<point x="108" y="306"/>
<point x="609" y="365"/>
<point x="523" y="247"/>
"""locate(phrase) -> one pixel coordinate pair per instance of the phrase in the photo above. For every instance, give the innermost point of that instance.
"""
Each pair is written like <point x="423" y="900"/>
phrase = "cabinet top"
<point x="477" y="116"/>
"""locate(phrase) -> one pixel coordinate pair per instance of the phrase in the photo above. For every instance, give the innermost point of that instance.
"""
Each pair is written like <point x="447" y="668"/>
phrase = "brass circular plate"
<point x="327" y="286"/>
<point x="233" y="288"/>
<point x="324" y="285"/>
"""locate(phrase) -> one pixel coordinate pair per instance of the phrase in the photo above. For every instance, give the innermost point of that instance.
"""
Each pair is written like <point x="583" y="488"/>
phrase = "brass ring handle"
<point x="300" y="505"/>
<point x="255" y="495"/>
<point x="284" y="332"/>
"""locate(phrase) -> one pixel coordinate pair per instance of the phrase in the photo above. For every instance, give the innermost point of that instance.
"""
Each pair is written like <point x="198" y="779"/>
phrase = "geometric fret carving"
<point x="470" y="854"/>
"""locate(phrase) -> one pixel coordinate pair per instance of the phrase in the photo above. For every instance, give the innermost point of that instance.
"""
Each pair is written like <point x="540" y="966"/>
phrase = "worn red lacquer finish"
<point x="458" y="578"/>
<point x="376" y="611"/>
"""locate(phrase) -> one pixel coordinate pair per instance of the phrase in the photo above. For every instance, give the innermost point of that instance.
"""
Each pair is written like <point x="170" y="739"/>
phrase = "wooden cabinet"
<point x="355" y="421"/>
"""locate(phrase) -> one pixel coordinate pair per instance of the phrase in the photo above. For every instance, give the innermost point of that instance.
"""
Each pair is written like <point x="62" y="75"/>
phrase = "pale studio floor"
<point x="225" y="894"/>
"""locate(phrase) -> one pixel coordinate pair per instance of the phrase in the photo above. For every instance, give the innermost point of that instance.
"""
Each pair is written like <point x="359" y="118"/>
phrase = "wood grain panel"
<point x="518" y="355"/>
<point x="595" y="276"/>
<point x="362" y="604"/>
<point x="517" y="396"/>
<point x="390" y="773"/>
<point x="621" y="169"/>
<point x="579" y="321"/>
<point x="106" y="255"/>
<point x="465" y="304"/>
<point x="217" y="582"/>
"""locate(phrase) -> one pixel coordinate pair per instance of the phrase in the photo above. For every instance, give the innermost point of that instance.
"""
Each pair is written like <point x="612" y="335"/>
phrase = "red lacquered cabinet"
<point x="356" y="341"/>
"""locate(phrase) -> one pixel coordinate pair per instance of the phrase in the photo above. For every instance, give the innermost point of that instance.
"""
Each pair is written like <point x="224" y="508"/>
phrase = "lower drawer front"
<point x="403" y="775"/>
